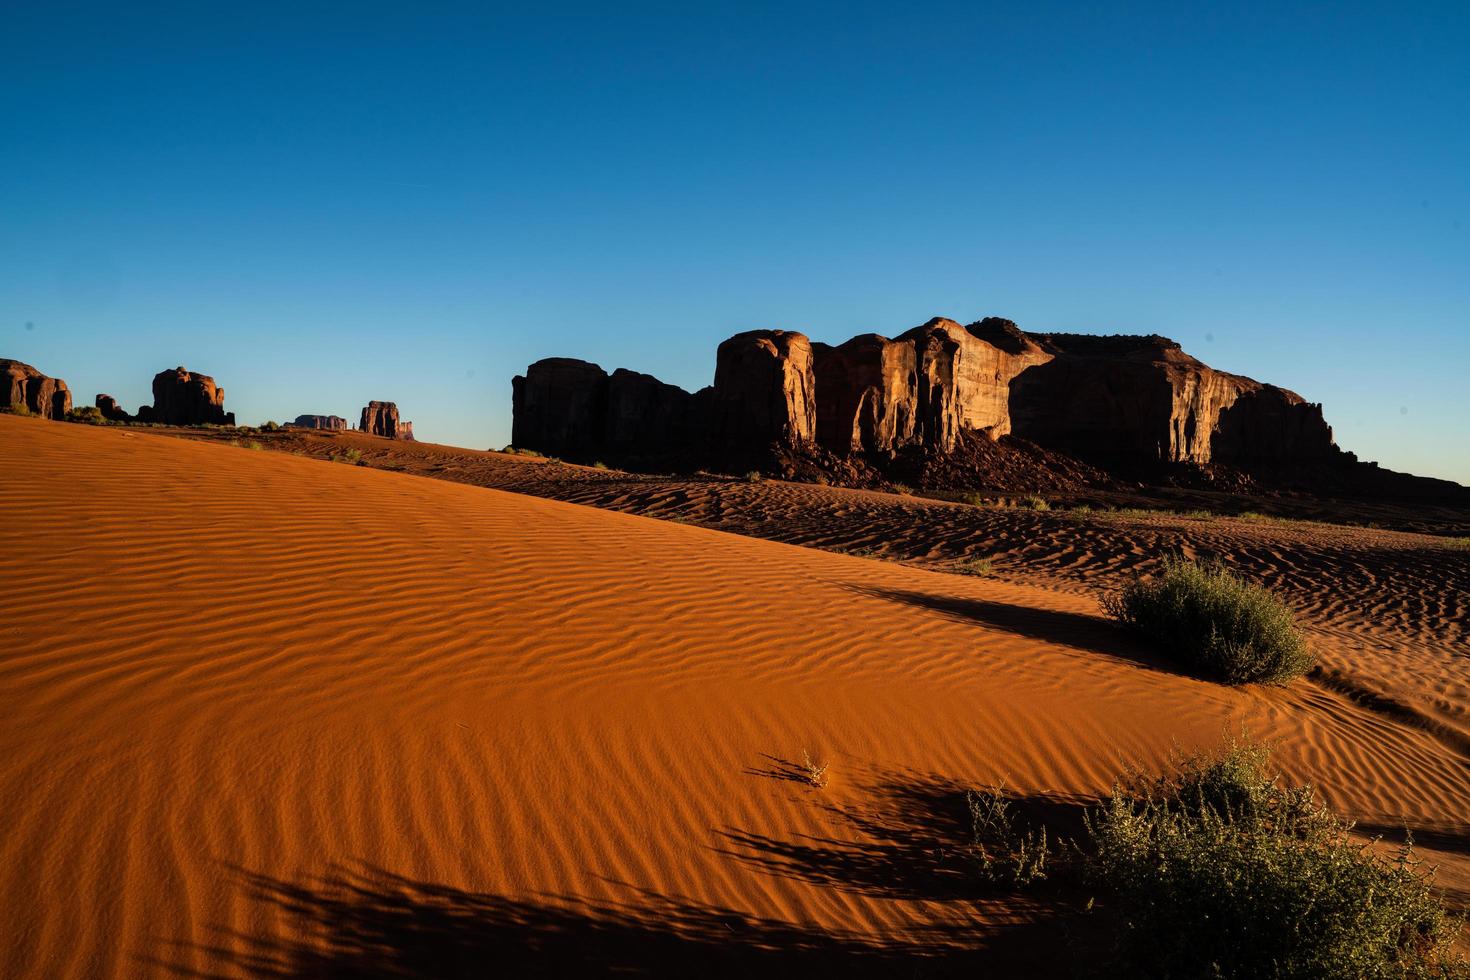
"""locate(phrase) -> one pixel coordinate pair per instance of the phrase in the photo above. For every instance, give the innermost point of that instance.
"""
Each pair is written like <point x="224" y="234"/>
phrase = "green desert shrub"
<point x="1035" y="503"/>
<point x="86" y="415"/>
<point x="1216" y="870"/>
<point x="16" y="408"/>
<point x="1215" y="624"/>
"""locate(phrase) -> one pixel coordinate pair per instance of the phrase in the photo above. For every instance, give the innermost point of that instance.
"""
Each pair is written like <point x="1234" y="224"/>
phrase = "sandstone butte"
<point x="381" y="419"/>
<point x="23" y="387"/>
<point x="1119" y="399"/>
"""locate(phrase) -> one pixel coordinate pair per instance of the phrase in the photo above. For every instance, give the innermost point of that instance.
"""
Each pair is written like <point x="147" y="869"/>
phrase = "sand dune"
<point x="271" y="716"/>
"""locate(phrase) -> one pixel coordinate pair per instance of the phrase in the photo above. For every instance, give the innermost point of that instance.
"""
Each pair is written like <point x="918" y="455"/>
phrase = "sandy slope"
<point x="274" y="716"/>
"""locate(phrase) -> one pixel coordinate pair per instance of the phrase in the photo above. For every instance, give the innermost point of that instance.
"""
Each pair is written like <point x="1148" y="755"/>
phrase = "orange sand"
<point x="271" y="716"/>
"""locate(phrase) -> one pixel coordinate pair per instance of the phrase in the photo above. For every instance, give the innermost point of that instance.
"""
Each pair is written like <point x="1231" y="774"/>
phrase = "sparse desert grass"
<point x="18" y="408"/>
<point x="1004" y="853"/>
<point x="599" y="465"/>
<point x="1217" y="870"/>
<point x="979" y="567"/>
<point x="517" y="451"/>
<point x="253" y="444"/>
<point x="814" y="773"/>
<point x="352" y="456"/>
<point x="903" y="489"/>
<point x="1035" y="503"/>
<point x="755" y="476"/>
<point x="1456" y="544"/>
<point x="1218" y="626"/>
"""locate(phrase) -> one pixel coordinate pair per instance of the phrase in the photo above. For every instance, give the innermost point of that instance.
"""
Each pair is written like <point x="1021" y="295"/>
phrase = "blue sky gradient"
<point x="324" y="204"/>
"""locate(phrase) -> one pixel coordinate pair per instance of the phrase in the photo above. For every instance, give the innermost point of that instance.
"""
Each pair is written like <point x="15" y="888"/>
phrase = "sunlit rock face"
<point x="24" y="388"/>
<point x="765" y="390"/>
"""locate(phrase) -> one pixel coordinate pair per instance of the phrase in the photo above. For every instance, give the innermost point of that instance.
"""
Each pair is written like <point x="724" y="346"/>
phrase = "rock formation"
<point x="381" y="419"/>
<point x="560" y="407"/>
<point x="765" y="391"/>
<point x="868" y="395"/>
<point x="1114" y="401"/>
<point x="318" y="422"/>
<point x="22" y="387"/>
<point x="1143" y="400"/>
<point x="111" y="410"/>
<point x="181" y="397"/>
<point x="965" y="375"/>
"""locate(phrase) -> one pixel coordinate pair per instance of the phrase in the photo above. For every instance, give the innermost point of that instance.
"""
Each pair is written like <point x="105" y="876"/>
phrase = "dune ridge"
<point x="273" y="716"/>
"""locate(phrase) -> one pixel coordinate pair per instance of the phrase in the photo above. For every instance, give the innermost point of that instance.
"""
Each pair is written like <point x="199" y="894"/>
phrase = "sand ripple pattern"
<point x="258" y="708"/>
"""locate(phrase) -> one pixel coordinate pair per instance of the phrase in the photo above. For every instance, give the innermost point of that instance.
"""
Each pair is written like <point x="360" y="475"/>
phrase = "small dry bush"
<point x="754" y="476"/>
<point x="1216" y="870"/>
<point x="1004" y="853"/>
<point x="1035" y="503"/>
<point x="1215" y="624"/>
<point x="814" y="773"/>
<point x="979" y="567"/>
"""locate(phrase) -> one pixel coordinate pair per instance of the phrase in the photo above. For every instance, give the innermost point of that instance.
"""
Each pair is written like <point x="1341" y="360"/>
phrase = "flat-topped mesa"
<point x="111" y="410"/>
<point x="330" y="422"/>
<point x="24" y="389"/>
<point x="964" y="376"/>
<point x="381" y="419"/>
<point x="764" y="392"/>
<point x="1144" y="400"/>
<point x="181" y="397"/>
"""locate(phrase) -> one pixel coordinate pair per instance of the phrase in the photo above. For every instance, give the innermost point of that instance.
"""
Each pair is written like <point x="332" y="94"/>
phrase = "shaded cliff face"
<point x="765" y="390"/>
<point x="381" y="419"/>
<point x="573" y="409"/>
<point x="1143" y="400"/>
<point x="23" y="387"/>
<point x="560" y="407"/>
<point x="181" y="397"/>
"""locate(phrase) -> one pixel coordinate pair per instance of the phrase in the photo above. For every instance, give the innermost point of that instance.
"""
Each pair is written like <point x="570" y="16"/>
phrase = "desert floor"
<point x="270" y="715"/>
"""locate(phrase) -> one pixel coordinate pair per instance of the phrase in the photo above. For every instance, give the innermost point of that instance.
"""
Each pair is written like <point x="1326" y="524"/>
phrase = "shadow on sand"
<point x="909" y="844"/>
<point x="369" y="923"/>
<point x="1080" y="631"/>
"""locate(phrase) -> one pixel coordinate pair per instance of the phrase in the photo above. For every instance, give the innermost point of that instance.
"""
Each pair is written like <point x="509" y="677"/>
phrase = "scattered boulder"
<point x="23" y="388"/>
<point x="181" y="397"/>
<point x="111" y="410"/>
<point x="765" y="391"/>
<point x="381" y="419"/>
<point x="332" y="422"/>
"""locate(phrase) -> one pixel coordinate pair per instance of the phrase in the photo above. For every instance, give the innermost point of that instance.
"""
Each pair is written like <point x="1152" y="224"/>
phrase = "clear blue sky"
<point x="323" y="204"/>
